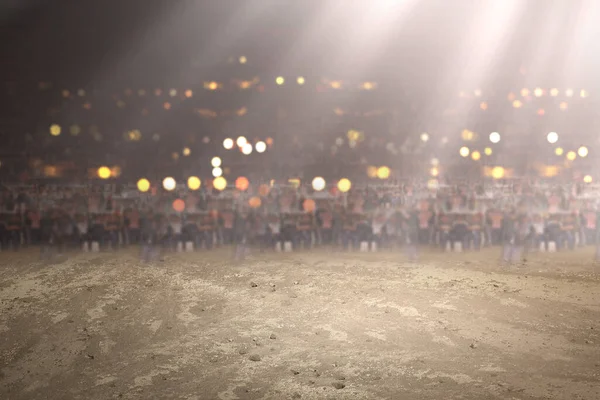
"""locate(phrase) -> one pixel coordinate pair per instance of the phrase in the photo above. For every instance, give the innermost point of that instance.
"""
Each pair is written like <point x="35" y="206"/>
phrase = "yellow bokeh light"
<point x="143" y="185"/>
<point x="554" y="92"/>
<point x="344" y="185"/>
<point x="488" y="151"/>
<point x="467" y="135"/>
<point x="433" y="184"/>
<point x="194" y="183"/>
<point x="538" y="92"/>
<point x="434" y="171"/>
<point x="243" y="60"/>
<point x="383" y="172"/>
<point x="583" y="93"/>
<point x="336" y="84"/>
<point x="564" y="105"/>
<point x="211" y="85"/>
<point x="582" y="152"/>
<point x="559" y="151"/>
<point x="55" y="129"/>
<point x="517" y="104"/>
<point x="524" y="92"/>
<point x="464" y="151"/>
<point x="220" y="183"/>
<point x="571" y="156"/>
<point x="301" y="80"/>
<point x="476" y="155"/>
<point x="169" y="183"/>
<point x="368" y="86"/>
<point x="186" y="151"/>
<point x="587" y="179"/>
<point x="318" y="183"/>
<point x="280" y="80"/>
<point x="104" y="172"/>
<point x="498" y="173"/>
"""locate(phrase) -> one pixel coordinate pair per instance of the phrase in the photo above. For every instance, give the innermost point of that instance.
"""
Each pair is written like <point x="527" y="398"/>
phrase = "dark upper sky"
<point x="150" y="40"/>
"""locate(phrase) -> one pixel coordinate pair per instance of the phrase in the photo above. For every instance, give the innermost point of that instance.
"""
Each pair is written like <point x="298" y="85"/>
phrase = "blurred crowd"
<point x="520" y="217"/>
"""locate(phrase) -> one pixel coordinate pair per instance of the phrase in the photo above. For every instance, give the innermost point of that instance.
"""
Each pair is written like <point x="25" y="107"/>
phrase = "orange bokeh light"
<point x="179" y="205"/>
<point x="242" y="183"/>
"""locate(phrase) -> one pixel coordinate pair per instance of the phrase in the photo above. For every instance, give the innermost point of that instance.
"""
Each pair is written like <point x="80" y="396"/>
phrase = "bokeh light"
<point x="194" y="183"/>
<point x="494" y="137"/>
<point x="372" y="171"/>
<point x="247" y="149"/>
<point x="559" y="151"/>
<point x="435" y="162"/>
<point x="309" y="205"/>
<point x="243" y="60"/>
<point x="318" y="183"/>
<point x="569" y="92"/>
<point x="280" y="80"/>
<point x="582" y="152"/>
<point x="434" y="171"/>
<point x="104" y="172"/>
<point x="169" y="183"/>
<point x="571" y="156"/>
<point x="242" y="183"/>
<point x="464" y="151"/>
<point x="424" y="137"/>
<point x="498" y="173"/>
<point x="488" y="151"/>
<point x="383" y="172"/>
<point x="220" y="183"/>
<point x="552" y="137"/>
<point x="143" y="185"/>
<point x="186" y="151"/>
<point x="433" y="184"/>
<point x="587" y="179"/>
<point x="217" y="172"/>
<point x="517" y="104"/>
<point x="476" y="156"/>
<point x="260" y="147"/>
<point x="254" y="202"/>
<point x="55" y="130"/>
<point x="228" y="144"/>
<point x="215" y="162"/>
<point x="179" y="205"/>
<point x="344" y="185"/>
<point x="301" y="80"/>
<point x="241" y="141"/>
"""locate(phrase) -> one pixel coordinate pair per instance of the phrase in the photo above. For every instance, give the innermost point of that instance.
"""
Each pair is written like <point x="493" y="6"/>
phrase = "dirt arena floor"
<point x="319" y="325"/>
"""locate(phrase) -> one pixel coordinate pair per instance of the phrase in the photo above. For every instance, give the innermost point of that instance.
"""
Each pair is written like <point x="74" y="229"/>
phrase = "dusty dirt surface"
<point x="318" y="325"/>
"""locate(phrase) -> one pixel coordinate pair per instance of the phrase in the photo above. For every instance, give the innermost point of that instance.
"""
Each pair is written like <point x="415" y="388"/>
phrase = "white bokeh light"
<point x="215" y="162"/>
<point x="424" y="137"/>
<point x="318" y="184"/>
<point x="217" y="172"/>
<point x="247" y="148"/>
<point x="228" y="143"/>
<point x="260" y="147"/>
<point x="241" y="141"/>
<point x="552" y="137"/>
<point x="494" y="137"/>
<point x="169" y="183"/>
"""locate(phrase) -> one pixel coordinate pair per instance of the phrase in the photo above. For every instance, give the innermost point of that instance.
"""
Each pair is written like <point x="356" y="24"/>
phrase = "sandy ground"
<point x="319" y="325"/>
